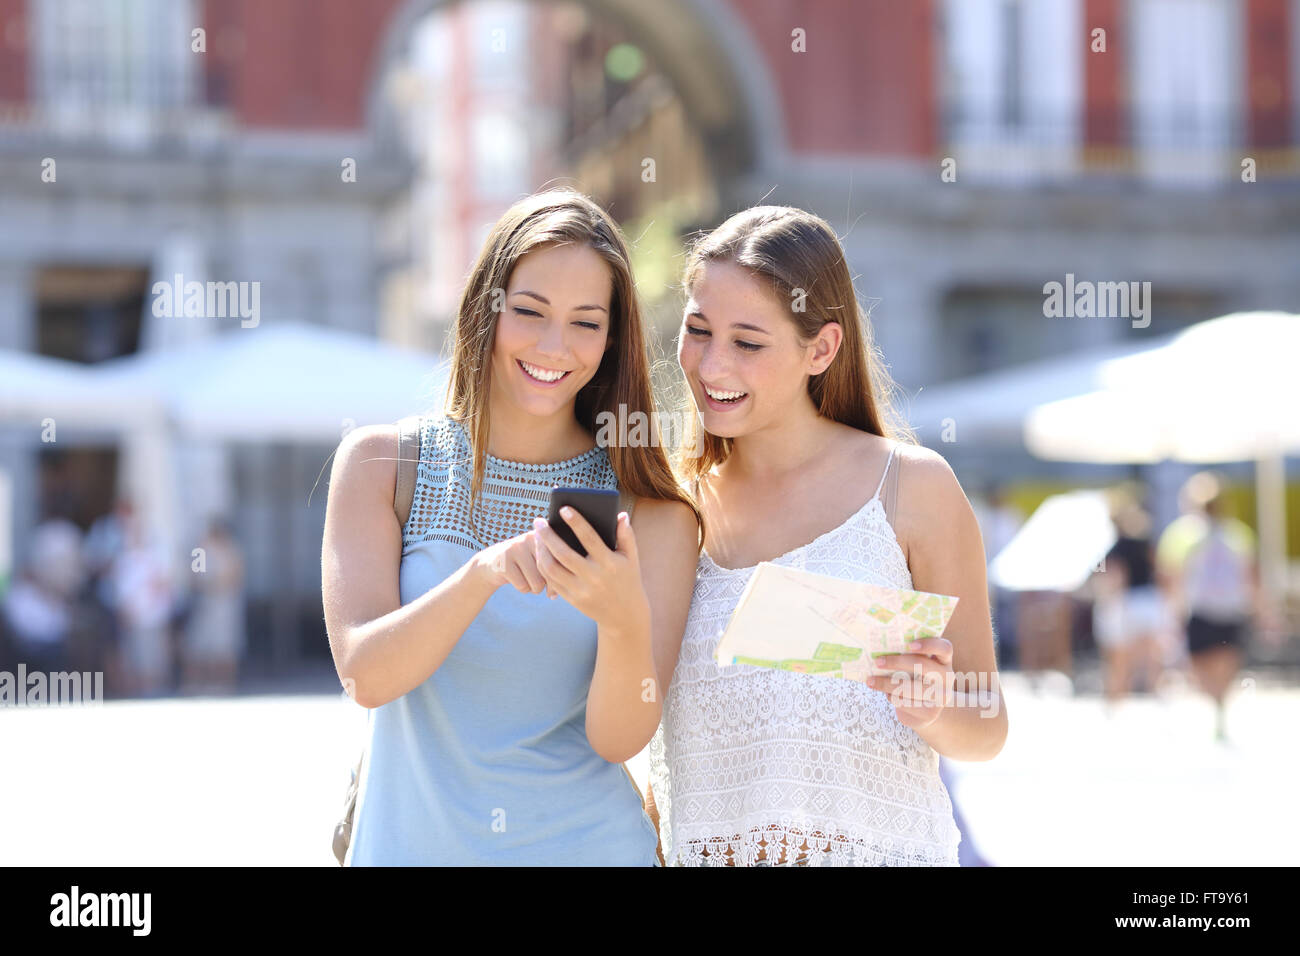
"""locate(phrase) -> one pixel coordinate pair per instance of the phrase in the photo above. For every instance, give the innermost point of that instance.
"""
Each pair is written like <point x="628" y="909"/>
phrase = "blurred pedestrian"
<point x="1129" y="615"/>
<point x="1207" y="564"/>
<point x="999" y="521"/>
<point x="142" y="594"/>
<point x="104" y="544"/>
<point x="40" y="605"/>
<point x="38" y="621"/>
<point x="215" y="636"/>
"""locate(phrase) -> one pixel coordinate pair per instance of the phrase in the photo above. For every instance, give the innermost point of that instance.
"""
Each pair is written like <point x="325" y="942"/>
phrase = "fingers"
<point x="912" y="680"/>
<point x="521" y="569"/>
<point x="527" y="563"/>
<point x="940" y="648"/>
<point x="907" y="693"/>
<point x="908" y="664"/>
<point x="513" y="574"/>
<point x="583" y="531"/>
<point x="557" y="578"/>
<point x="517" y="564"/>
<point x="552" y="546"/>
<point x="556" y="575"/>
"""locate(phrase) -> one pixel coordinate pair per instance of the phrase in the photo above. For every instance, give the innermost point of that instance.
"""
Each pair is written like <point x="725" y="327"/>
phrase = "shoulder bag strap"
<point x="890" y="500"/>
<point x="408" y="461"/>
<point x="627" y="502"/>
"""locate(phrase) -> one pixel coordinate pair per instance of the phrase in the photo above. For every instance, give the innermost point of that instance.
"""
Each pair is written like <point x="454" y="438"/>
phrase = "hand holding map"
<point x="810" y="623"/>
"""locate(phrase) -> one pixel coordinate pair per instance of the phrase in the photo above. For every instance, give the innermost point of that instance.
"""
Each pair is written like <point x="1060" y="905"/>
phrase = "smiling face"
<point x="553" y="330"/>
<point x="740" y="351"/>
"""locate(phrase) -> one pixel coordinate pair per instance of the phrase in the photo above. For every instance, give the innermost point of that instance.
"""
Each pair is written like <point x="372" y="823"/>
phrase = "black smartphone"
<point x="598" y="505"/>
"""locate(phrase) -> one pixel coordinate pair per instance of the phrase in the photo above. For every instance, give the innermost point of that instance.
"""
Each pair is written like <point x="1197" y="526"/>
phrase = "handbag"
<point x="408" y="438"/>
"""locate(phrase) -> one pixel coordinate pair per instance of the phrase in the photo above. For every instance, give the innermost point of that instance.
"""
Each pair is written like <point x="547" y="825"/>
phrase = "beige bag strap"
<point x="890" y="496"/>
<point x="343" y="829"/>
<point x="408" y="463"/>
<point x="627" y="502"/>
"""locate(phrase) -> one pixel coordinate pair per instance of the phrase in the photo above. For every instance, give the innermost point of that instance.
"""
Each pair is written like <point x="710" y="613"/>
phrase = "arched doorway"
<point x="703" y="48"/>
<point x="664" y="116"/>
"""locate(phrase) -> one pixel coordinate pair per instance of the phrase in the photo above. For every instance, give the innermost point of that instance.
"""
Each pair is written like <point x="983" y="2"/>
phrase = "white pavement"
<point x="260" y="780"/>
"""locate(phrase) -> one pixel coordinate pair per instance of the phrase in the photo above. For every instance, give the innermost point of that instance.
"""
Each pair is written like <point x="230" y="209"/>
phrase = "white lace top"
<point x="747" y="756"/>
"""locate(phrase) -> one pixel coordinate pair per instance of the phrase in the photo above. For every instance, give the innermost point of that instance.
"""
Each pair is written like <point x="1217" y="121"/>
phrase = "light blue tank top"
<point x="487" y="762"/>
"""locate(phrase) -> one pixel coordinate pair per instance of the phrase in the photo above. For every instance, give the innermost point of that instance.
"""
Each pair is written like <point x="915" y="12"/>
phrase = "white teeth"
<point x="723" y="396"/>
<point x="542" y="374"/>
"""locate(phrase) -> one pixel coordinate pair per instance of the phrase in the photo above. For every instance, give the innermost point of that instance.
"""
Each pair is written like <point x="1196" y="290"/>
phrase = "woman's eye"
<point x="701" y="333"/>
<point x="520" y="310"/>
<point x="589" y="325"/>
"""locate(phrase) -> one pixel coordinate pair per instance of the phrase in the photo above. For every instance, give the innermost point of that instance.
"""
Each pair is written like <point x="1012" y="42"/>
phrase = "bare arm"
<point x="945" y="552"/>
<point x="381" y="649"/>
<point x="636" y="656"/>
<point x="652" y="811"/>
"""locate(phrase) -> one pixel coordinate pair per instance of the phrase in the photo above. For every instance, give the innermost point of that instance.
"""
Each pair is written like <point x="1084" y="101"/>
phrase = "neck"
<point x="784" y="447"/>
<point x="515" y="435"/>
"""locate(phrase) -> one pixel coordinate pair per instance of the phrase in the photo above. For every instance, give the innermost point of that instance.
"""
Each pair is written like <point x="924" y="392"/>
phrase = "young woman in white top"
<point x="755" y="766"/>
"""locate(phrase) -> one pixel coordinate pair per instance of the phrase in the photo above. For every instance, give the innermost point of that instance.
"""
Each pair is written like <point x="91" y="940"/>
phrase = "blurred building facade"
<point x="349" y="157"/>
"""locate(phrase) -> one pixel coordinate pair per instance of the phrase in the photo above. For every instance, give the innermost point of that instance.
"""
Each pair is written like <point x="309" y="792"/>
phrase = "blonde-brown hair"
<point x="796" y="252"/>
<point x="555" y="217"/>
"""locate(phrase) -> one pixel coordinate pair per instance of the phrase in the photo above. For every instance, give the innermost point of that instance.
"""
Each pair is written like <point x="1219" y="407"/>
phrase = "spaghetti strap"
<point x="880" y="487"/>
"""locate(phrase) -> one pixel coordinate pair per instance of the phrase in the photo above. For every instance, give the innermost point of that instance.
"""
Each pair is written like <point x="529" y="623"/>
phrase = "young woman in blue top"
<point x="507" y="677"/>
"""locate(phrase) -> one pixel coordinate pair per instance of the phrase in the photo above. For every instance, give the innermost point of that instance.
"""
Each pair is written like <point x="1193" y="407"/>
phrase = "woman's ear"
<point x="825" y="347"/>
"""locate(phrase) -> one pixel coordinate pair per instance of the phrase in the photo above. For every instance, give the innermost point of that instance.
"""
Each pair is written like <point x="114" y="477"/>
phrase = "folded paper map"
<point x="810" y="623"/>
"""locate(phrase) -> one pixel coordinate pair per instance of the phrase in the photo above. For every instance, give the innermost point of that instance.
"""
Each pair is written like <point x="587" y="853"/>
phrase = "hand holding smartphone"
<point x="598" y="505"/>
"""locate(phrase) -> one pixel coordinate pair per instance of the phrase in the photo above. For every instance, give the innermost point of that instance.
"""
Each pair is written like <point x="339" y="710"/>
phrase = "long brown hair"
<point x="553" y="217"/>
<point x="797" y="252"/>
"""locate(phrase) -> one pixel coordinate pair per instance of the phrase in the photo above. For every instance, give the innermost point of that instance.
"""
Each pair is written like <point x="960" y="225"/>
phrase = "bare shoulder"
<point x="862" y="454"/>
<point x="664" y="521"/>
<point x="925" y="471"/>
<point x="365" y="462"/>
<point x="931" y="505"/>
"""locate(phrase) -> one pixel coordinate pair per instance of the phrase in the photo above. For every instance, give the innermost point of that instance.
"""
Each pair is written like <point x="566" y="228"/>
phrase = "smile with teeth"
<point x="720" y="396"/>
<point x="547" y="375"/>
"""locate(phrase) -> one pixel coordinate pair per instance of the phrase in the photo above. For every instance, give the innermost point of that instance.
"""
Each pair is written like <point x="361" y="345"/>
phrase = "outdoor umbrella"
<point x="990" y="408"/>
<point x="1221" y="391"/>
<point x="283" y="381"/>
<point x="35" y="387"/>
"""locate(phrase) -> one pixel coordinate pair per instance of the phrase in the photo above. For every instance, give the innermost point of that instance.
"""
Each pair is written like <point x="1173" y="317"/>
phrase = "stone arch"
<point x="702" y="46"/>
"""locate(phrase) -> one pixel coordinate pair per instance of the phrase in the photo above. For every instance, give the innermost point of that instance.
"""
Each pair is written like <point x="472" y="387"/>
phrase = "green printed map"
<point x="828" y="659"/>
<point x="806" y="623"/>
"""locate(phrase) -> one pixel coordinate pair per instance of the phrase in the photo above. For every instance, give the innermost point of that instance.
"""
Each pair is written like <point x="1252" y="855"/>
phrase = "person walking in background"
<point x="103" y="545"/>
<point x="214" y="639"/>
<point x="1129" y="614"/>
<point x="999" y="521"/>
<point x="1206" y="561"/>
<point x="38" y="621"/>
<point x="41" y="606"/>
<point x="142" y="595"/>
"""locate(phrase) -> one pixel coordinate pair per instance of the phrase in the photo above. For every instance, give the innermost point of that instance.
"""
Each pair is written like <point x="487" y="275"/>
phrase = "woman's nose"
<point x="713" y="365"/>
<point x="551" y="342"/>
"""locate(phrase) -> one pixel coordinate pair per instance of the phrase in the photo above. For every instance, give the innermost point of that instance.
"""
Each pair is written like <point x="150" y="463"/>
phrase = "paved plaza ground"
<point x="259" y="779"/>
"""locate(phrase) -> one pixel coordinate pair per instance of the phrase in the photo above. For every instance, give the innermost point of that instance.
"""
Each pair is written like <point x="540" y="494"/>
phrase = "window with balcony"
<point x="1012" y="84"/>
<point x="117" y="69"/>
